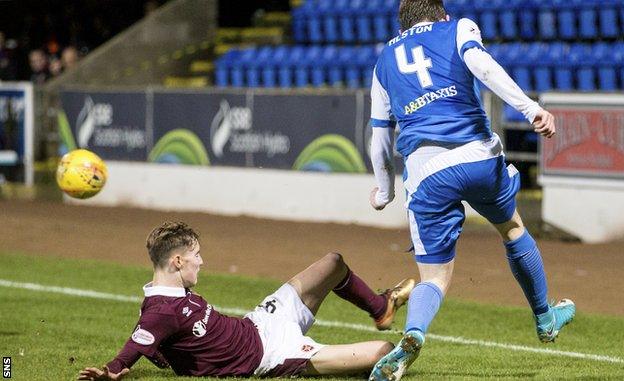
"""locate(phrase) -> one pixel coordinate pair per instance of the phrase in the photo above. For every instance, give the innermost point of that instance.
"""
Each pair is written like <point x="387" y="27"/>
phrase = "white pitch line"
<point x="322" y="323"/>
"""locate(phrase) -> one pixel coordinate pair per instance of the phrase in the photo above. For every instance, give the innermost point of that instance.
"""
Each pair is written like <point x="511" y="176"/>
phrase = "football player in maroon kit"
<point x="179" y="329"/>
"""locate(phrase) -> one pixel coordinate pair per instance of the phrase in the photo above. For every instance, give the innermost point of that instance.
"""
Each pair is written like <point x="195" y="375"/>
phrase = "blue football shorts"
<point x="435" y="210"/>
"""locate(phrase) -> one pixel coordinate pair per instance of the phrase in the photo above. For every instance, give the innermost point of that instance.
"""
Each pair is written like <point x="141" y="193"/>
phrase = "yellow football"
<point x="81" y="174"/>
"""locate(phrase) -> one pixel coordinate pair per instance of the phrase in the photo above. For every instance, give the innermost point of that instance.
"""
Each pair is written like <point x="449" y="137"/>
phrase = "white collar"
<point x="175" y="292"/>
<point x="422" y="23"/>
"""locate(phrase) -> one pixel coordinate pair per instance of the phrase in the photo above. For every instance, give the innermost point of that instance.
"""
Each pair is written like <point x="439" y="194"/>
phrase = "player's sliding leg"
<point x="424" y="303"/>
<point x="357" y="358"/>
<point x="526" y="265"/>
<point x="330" y="273"/>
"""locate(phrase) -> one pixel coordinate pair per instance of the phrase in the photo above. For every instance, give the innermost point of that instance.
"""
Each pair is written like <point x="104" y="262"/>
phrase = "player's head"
<point x="174" y="246"/>
<point x="411" y="12"/>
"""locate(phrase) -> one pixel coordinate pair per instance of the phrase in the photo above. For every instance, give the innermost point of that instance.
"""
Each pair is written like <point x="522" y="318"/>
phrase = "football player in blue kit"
<point x="425" y="80"/>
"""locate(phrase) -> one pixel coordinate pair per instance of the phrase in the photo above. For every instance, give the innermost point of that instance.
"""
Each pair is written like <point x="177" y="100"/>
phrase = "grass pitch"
<point x="51" y="336"/>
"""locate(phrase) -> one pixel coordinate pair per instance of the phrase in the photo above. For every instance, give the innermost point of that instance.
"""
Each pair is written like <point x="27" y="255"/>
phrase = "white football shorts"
<point x="282" y="320"/>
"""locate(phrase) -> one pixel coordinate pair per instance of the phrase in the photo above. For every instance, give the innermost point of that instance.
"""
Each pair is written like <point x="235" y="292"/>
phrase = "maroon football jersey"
<point x="181" y="328"/>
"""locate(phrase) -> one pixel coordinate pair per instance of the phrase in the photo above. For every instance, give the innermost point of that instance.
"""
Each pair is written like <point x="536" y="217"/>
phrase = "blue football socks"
<point x="423" y="304"/>
<point x="527" y="267"/>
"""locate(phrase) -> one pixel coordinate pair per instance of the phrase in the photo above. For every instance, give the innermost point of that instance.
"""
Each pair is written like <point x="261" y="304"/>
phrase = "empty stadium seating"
<point x="366" y="21"/>
<point x="535" y="66"/>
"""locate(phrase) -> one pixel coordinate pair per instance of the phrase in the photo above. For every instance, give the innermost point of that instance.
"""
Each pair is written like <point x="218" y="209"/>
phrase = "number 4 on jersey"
<point x="420" y="66"/>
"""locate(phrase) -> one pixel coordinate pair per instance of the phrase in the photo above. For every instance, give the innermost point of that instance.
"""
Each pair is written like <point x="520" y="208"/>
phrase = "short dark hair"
<point x="167" y="237"/>
<point x="412" y="12"/>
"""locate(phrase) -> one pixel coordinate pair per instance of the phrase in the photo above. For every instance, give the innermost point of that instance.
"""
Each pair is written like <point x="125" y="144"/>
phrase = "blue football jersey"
<point x="421" y="81"/>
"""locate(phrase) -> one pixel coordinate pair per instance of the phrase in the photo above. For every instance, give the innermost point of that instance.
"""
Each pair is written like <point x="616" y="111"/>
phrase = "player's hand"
<point x="544" y="123"/>
<point x="94" y="374"/>
<point x="373" y="200"/>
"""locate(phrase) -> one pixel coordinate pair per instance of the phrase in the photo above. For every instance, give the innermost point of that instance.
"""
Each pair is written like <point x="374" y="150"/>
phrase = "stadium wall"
<point x="263" y="193"/>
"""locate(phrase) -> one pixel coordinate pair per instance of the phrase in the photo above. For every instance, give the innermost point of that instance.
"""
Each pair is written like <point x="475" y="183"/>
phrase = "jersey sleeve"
<point x="382" y="160"/>
<point x="153" y="327"/>
<point x="488" y="71"/>
<point x="468" y="36"/>
<point x="381" y="114"/>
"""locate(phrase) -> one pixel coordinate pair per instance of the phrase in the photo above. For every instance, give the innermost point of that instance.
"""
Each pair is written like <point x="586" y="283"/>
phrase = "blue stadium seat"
<point x="488" y="22"/>
<point x="522" y="76"/>
<point x="239" y="69"/>
<point x="609" y="19"/>
<point x="618" y="57"/>
<point x="528" y="20"/>
<point x="621" y="17"/>
<point x="495" y="51"/>
<point x="315" y="30"/>
<point x="363" y="25"/>
<point x="567" y="12"/>
<point x="455" y="8"/>
<point x="508" y="19"/>
<point x="546" y="22"/>
<point x="329" y="20"/>
<point x="563" y="71"/>
<point x="540" y="67"/>
<point x="299" y="24"/>
<point x="336" y="72"/>
<point x="320" y="71"/>
<point x="252" y="60"/>
<point x="312" y="55"/>
<point x="224" y="66"/>
<point x="270" y="70"/>
<point x="585" y="74"/>
<point x="588" y="24"/>
<point x="376" y="9"/>
<point x="287" y="67"/>
<point x="360" y="70"/>
<point x="520" y="66"/>
<point x="263" y="65"/>
<point x="347" y="28"/>
<point x="604" y="56"/>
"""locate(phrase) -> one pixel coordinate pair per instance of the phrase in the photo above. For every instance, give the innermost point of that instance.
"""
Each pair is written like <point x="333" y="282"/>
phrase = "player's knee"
<point x="335" y="259"/>
<point x="512" y="229"/>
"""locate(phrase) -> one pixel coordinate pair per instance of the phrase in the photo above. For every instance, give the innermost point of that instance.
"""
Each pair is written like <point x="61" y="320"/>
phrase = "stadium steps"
<point x="204" y="67"/>
<point x="255" y="35"/>
<point x="274" y="19"/>
<point x="192" y="82"/>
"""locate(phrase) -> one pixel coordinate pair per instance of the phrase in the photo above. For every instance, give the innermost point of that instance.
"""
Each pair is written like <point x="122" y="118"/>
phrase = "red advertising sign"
<point x="588" y="142"/>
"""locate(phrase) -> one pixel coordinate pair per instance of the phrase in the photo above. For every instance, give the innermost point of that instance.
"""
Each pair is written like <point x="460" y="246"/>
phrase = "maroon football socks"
<point x="353" y="289"/>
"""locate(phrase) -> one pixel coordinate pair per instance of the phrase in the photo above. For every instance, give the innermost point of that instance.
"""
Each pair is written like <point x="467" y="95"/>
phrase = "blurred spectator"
<point x="8" y="71"/>
<point x="38" y="66"/>
<point x="69" y="57"/>
<point x="55" y="67"/>
<point x="53" y="24"/>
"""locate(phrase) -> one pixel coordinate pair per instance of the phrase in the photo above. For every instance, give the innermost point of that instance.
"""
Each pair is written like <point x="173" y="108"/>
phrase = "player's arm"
<point x="382" y="145"/>
<point x="151" y="330"/>
<point x="483" y="66"/>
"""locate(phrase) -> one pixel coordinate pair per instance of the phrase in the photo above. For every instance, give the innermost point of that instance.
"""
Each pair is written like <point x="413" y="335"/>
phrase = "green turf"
<point x="51" y="336"/>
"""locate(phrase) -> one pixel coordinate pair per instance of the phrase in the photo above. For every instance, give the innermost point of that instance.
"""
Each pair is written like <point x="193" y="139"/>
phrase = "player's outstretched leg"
<point x="527" y="267"/>
<point x="423" y="305"/>
<point x="331" y="273"/>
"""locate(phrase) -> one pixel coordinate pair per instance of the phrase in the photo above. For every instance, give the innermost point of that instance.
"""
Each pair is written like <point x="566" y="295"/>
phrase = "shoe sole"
<point x="409" y="345"/>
